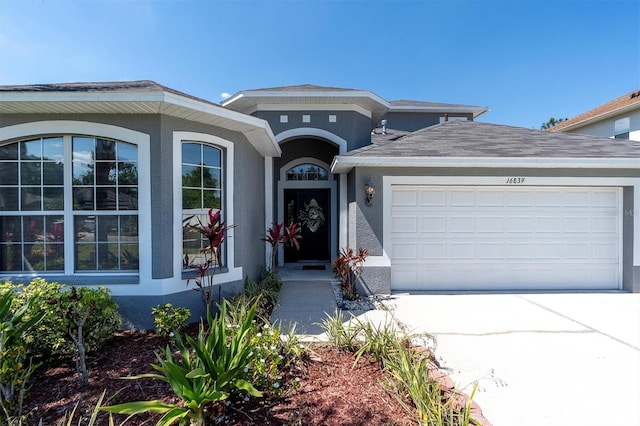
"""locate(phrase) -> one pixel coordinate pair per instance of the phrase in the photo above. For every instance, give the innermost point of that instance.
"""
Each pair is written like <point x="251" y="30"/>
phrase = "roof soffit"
<point x="250" y="101"/>
<point x="170" y="103"/>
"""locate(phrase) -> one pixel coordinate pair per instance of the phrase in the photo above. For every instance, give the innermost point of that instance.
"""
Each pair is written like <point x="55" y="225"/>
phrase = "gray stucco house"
<point x="97" y="178"/>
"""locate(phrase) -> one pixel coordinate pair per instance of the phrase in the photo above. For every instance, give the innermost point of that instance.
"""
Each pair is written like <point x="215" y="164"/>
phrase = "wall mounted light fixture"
<point x="370" y="192"/>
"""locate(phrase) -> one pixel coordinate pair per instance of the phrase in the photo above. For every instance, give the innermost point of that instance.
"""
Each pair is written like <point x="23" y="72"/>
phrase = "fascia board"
<point x="476" y="111"/>
<point x="308" y="94"/>
<point x="343" y="164"/>
<point x="82" y="97"/>
<point x="601" y="117"/>
<point x="259" y="133"/>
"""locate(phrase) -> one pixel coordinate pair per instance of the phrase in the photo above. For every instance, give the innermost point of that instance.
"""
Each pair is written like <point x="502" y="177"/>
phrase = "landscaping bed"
<point x="322" y="390"/>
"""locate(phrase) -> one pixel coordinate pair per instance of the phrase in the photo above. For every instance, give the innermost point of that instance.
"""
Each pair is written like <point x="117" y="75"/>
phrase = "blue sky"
<point x="525" y="60"/>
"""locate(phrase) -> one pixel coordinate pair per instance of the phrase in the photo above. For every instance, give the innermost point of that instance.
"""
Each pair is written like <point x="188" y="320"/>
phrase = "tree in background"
<point x="552" y="122"/>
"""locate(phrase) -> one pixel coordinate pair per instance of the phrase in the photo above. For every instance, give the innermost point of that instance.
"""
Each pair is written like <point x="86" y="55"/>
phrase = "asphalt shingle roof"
<point x="611" y="106"/>
<point x="138" y="86"/>
<point x="476" y="139"/>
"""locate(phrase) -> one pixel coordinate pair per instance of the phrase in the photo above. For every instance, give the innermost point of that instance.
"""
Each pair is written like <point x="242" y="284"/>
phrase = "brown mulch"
<point x="329" y="390"/>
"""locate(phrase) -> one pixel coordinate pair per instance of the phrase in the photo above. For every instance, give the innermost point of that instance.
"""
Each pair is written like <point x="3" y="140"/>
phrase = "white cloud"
<point x="225" y="95"/>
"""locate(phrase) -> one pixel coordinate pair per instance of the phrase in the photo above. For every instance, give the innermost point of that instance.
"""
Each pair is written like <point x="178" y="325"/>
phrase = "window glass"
<point x="622" y="126"/>
<point x="307" y="172"/>
<point x="202" y="189"/>
<point x="32" y="205"/>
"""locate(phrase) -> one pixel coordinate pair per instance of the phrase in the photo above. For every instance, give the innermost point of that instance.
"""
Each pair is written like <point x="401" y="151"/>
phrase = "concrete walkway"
<point x="304" y="303"/>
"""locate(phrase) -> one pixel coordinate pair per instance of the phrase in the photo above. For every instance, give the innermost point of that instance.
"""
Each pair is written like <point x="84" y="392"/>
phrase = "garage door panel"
<point x="491" y="224"/>
<point x="406" y="251"/>
<point x="604" y="199"/>
<point x="433" y="198"/>
<point x="466" y="224"/>
<point x="576" y="199"/>
<point x="435" y="224"/>
<point x="548" y="224"/>
<point x="433" y="251"/>
<point x="604" y="225"/>
<point x="405" y="198"/>
<point x="519" y="224"/>
<point x="462" y="198"/>
<point x="462" y="250"/>
<point x="404" y="224"/>
<point x="489" y="198"/>
<point x="505" y="238"/>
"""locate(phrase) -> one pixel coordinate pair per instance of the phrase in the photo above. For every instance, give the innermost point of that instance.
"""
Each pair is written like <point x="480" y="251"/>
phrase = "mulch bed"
<point x="329" y="390"/>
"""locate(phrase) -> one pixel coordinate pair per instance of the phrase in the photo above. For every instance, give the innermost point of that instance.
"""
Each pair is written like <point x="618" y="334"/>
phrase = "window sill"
<point x="192" y="274"/>
<point x="75" y="280"/>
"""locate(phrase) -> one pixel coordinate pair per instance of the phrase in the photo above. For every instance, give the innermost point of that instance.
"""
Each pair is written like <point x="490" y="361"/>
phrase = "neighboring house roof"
<point x="464" y="143"/>
<point x="628" y="102"/>
<point x="404" y="105"/>
<point x="133" y="97"/>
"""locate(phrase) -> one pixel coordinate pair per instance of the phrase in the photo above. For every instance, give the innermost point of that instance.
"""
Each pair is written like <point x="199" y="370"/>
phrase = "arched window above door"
<point x="307" y="171"/>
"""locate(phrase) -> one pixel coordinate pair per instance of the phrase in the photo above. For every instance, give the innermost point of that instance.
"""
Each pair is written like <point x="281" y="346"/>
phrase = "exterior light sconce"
<point x="370" y="192"/>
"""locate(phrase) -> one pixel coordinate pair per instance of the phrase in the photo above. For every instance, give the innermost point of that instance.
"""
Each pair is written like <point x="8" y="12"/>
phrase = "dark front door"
<point x="309" y="208"/>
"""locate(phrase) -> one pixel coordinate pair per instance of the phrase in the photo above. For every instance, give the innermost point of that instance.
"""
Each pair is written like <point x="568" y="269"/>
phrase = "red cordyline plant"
<point x="347" y="267"/>
<point x="214" y="232"/>
<point x="278" y="234"/>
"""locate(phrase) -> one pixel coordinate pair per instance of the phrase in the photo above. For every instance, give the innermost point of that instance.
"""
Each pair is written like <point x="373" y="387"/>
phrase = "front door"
<point x="311" y="209"/>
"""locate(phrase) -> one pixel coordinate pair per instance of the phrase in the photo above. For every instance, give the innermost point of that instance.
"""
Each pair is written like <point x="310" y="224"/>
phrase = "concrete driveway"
<point x="540" y="359"/>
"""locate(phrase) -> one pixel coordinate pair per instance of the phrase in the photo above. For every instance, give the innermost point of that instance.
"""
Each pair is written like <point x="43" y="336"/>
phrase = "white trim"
<point x="343" y="164"/>
<point x="330" y="184"/>
<point x="293" y="93"/>
<point x="343" y="211"/>
<point x="158" y="101"/>
<point x="234" y="273"/>
<point x="268" y="204"/>
<point x="312" y="131"/>
<point x="141" y="140"/>
<point x="310" y="107"/>
<point x="388" y="181"/>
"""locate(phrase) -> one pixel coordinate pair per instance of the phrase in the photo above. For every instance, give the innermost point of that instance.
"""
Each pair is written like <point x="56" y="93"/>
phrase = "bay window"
<point x="68" y="204"/>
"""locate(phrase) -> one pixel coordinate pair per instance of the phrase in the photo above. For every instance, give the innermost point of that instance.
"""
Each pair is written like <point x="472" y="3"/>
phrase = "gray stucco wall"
<point x="249" y="204"/>
<point x="351" y="126"/>
<point x="412" y="121"/>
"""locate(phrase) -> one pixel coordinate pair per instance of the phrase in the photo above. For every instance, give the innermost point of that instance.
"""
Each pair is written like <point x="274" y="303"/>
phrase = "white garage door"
<point x="497" y="238"/>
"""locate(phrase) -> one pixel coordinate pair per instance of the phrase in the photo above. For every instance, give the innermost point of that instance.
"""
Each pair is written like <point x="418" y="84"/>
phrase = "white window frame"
<point x="622" y="126"/>
<point x="232" y="272"/>
<point x="69" y="128"/>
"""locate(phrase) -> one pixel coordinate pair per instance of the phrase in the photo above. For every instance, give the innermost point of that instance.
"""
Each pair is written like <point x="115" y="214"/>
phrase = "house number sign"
<point x="515" y="181"/>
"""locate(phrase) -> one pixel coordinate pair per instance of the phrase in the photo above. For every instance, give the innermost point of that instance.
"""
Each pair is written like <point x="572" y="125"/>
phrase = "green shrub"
<point x="209" y="368"/>
<point x="169" y="319"/>
<point x="267" y="290"/>
<point x="267" y="360"/>
<point x="49" y="337"/>
<point x="344" y="337"/>
<point x="15" y="365"/>
<point x="74" y="320"/>
<point x="91" y="317"/>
